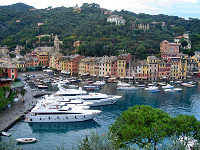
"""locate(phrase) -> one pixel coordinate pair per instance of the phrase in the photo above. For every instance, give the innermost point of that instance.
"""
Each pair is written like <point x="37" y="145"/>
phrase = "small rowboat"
<point x="26" y="140"/>
<point x="5" y="134"/>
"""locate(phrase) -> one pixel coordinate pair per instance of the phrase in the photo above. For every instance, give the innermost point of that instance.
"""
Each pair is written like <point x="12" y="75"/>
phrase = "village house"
<point x="152" y="73"/>
<point x="86" y="66"/>
<point x="118" y="20"/>
<point x="167" y="47"/>
<point x="53" y="61"/>
<point x="164" y="70"/>
<point x="3" y="51"/>
<point x="141" y="25"/>
<point x="8" y="70"/>
<point x="192" y="68"/>
<point x="185" y="37"/>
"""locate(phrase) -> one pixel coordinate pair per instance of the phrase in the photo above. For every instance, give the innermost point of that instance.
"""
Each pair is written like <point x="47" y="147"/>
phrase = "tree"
<point x="142" y="125"/>
<point x="186" y="125"/>
<point x="42" y="39"/>
<point x="96" y="141"/>
<point x="12" y="55"/>
<point x="184" y="43"/>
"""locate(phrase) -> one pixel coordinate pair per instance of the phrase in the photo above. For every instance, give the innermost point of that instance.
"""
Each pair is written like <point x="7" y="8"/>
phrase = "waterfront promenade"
<point x="9" y="115"/>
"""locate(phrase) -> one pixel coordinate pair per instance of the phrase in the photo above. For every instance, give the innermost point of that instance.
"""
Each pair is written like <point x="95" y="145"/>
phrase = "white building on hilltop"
<point x="117" y="19"/>
<point x="186" y="38"/>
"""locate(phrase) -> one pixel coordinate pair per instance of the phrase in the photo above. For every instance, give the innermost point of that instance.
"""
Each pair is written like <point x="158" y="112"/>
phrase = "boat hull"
<point x="59" y="118"/>
<point x="26" y="140"/>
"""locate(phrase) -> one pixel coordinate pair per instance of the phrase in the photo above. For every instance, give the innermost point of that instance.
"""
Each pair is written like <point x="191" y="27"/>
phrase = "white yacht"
<point x="168" y="86"/>
<point x="98" y="99"/>
<point x="150" y="88"/>
<point x="99" y="83"/>
<point x="122" y="84"/>
<point x="59" y="114"/>
<point x="173" y="90"/>
<point x="60" y="101"/>
<point x="127" y="88"/>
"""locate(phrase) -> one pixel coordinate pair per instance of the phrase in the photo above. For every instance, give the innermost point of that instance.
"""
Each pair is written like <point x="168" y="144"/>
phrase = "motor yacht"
<point x="127" y="88"/>
<point x="98" y="99"/>
<point x="150" y="88"/>
<point x="168" y="86"/>
<point x="60" y="101"/>
<point x="59" y="114"/>
<point x="99" y="83"/>
<point x="122" y="84"/>
<point x="173" y="90"/>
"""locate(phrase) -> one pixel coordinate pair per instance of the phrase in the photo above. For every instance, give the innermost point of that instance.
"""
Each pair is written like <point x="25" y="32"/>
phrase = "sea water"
<point x="55" y="135"/>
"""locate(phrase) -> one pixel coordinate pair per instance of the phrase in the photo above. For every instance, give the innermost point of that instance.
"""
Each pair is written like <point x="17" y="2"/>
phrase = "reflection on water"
<point x="61" y="127"/>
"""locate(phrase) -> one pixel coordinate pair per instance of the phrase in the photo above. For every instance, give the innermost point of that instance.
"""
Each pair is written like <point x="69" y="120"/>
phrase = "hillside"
<point x="19" y="26"/>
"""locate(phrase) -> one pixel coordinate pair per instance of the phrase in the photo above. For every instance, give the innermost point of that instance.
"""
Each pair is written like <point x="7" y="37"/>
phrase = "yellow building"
<point x="54" y="59"/>
<point x="20" y="63"/>
<point x="152" y="59"/>
<point x="174" y="61"/>
<point x="121" y="67"/>
<point x="77" y="9"/>
<point x="196" y="57"/>
<point x="89" y="66"/>
<point x="183" y="66"/>
<point x="62" y="63"/>
<point x="141" y="70"/>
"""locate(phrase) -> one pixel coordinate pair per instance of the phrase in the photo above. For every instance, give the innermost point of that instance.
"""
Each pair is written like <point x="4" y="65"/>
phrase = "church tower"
<point x="56" y="43"/>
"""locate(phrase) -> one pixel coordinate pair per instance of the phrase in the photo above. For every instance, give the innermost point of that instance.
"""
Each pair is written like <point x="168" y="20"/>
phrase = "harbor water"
<point x="54" y="135"/>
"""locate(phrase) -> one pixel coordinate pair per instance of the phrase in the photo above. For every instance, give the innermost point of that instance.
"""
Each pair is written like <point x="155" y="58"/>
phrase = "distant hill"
<point x="17" y="6"/>
<point x="19" y="26"/>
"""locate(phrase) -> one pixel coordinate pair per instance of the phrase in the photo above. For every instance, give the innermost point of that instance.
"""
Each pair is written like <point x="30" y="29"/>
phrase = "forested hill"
<point x="19" y="26"/>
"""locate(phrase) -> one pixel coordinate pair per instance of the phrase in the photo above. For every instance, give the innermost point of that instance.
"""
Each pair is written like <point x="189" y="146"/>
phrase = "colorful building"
<point x="167" y="47"/>
<point x="183" y="66"/>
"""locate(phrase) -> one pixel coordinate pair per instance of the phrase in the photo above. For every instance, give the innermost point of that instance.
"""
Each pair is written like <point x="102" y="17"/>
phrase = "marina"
<point x="54" y="134"/>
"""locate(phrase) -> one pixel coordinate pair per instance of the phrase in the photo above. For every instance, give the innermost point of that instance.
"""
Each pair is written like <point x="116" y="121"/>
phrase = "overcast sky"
<point x="181" y="8"/>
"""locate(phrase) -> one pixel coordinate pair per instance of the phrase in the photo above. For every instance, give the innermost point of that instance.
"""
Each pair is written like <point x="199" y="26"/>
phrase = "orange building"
<point x="72" y="64"/>
<point x="166" y="47"/>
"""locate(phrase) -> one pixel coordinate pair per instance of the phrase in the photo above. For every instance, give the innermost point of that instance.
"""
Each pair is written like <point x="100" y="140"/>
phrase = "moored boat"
<point x="173" y="90"/>
<point x="127" y="88"/>
<point x="26" y="140"/>
<point x="168" y="86"/>
<point x="5" y="134"/>
<point x="98" y="99"/>
<point x="151" y="88"/>
<point x="123" y="84"/>
<point x="99" y="83"/>
<point x="60" y="114"/>
<point x="154" y="91"/>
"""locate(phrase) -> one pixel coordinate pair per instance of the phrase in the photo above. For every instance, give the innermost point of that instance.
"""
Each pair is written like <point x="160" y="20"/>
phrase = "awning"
<point x="107" y="76"/>
<point x="121" y="77"/>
